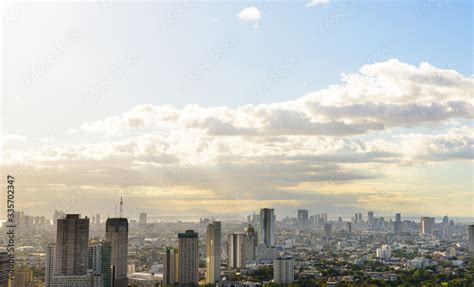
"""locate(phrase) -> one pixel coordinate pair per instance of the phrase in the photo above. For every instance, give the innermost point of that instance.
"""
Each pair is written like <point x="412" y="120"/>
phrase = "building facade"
<point x="170" y="266"/>
<point x="267" y="227"/>
<point x="251" y="243"/>
<point x="236" y="250"/>
<point x="72" y="238"/>
<point x="116" y="232"/>
<point x="283" y="270"/>
<point x="303" y="217"/>
<point x="188" y="250"/>
<point x="100" y="260"/>
<point x="213" y="253"/>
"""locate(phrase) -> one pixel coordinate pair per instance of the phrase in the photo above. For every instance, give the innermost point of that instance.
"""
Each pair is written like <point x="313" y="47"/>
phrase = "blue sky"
<point x="68" y="67"/>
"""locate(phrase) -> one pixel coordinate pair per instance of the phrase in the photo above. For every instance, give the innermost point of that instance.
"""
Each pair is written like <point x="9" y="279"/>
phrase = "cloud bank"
<point x="385" y="117"/>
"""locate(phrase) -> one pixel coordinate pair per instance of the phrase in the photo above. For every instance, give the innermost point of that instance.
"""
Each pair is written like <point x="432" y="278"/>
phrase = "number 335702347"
<point x="10" y="198"/>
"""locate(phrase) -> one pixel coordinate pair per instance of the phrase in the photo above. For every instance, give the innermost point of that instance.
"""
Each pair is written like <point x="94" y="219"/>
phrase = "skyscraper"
<point x="188" y="250"/>
<point x="327" y="230"/>
<point x="349" y="228"/>
<point x="370" y="218"/>
<point x="471" y="240"/>
<point x="427" y="224"/>
<point x="100" y="260"/>
<point x="213" y="250"/>
<point x="170" y="266"/>
<point x="302" y="217"/>
<point x="397" y="225"/>
<point x="251" y="243"/>
<point x="49" y="265"/>
<point x="236" y="250"/>
<point x="23" y="278"/>
<point x="116" y="232"/>
<point x="267" y="225"/>
<point x="72" y="237"/>
<point x="283" y="270"/>
<point x="445" y="220"/>
<point x="398" y="217"/>
<point x="384" y="252"/>
<point x="143" y="218"/>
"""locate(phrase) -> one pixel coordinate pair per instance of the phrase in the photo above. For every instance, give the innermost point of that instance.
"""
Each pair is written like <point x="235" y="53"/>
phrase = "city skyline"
<point x="178" y="122"/>
<point x="79" y="259"/>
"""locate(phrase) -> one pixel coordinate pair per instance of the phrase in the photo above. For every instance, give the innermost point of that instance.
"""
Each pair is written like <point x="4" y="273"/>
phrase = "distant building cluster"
<point x="262" y="250"/>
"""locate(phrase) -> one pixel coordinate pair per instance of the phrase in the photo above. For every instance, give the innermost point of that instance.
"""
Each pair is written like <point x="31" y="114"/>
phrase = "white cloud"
<point x="8" y="138"/>
<point x="313" y="3"/>
<point x="379" y="96"/>
<point x="250" y="14"/>
<point x="378" y="119"/>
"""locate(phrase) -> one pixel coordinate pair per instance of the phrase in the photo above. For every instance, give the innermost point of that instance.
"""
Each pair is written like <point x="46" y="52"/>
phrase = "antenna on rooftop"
<point x="121" y="207"/>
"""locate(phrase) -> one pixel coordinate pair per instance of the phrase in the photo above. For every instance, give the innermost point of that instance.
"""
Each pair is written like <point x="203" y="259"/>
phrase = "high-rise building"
<point x="97" y="219"/>
<point x="427" y="224"/>
<point x="213" y="250"/>
<point x="384" y="253"/>
<point x="236" y="250"/>
<point x="116" y="232"/>
<point x="303" y="217"/>
<point x="327" y="230"/>
<point x="283" y="270"/>
<point x="49" y="265"/>
<point x="251" y="243"/>
<point x="471" y="240"/>
<point x="349" y="228"/>
<point x="143" y="218"/>
<point x="100" y="260"/>
<point x="188" y="250"/>
<point x="23" y="278"/>
<point x="397" y="225"/>
<point x="4" y="262"/>
<point x="267" y="227"/>
<point x="72" y="239"/>
<point x="85" y="280"/>
<point x="170" y="266"/>
<point x="445" y="220"/>
<point x="370" y="218"/>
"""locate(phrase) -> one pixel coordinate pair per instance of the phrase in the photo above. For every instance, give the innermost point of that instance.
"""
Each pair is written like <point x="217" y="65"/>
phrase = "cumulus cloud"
<point x="250" y="14"/>
<point x="384" y="116"/>
<point x="377" y="97"/>
<point x="6" y="138"/>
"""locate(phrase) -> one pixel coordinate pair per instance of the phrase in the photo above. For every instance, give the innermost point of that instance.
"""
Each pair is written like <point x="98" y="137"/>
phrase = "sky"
<point x="222" y="108"/>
